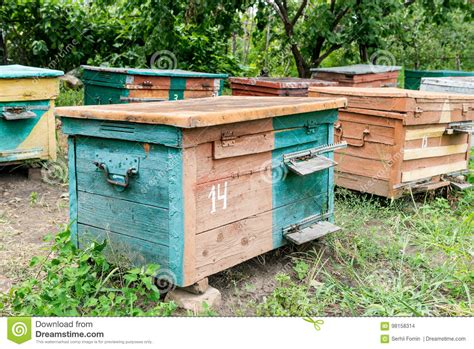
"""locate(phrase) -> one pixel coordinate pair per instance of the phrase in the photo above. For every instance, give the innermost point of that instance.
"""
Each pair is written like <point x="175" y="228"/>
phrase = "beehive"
<point x="413" y="77"/>
<point x="127" y="85"/>
<point x="462" y="85"/>
<point x="359" y="75"/>
<point x="201" y="185"/>
<point x="400" y="139"/>
<point x="27" y="129"/>
<point x="264" y="86"/>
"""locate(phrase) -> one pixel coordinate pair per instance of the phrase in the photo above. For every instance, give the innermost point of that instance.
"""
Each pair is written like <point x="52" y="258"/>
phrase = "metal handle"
<point x="340" y="134"/>
<point x="120" y="183"/>
<point x="17" y="113"/>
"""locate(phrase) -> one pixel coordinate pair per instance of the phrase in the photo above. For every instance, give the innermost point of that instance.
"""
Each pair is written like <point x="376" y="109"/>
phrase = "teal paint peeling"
<point x="297" y="197"/>
<point x="15" y="71"/>
<point x="72" y="189"/>
<point x="176" y="213"/>
<point x="98" y="94"/>
<point x="157" y="134"/>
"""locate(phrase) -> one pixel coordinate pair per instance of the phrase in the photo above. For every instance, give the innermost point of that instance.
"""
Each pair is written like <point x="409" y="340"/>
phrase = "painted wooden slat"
<point x="428" y="172"/>
<point x="417" y="133"/>
<point x="159" y="134"/>
<point x="417" y="153"/>
<point x="123" y="249"/>
<point x="124" y="217"/>
<point x="28" y="89"/>
<point x="72" y="189"/>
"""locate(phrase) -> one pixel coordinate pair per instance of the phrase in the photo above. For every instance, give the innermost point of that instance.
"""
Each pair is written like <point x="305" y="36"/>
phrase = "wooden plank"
<point x="312" y="232"/>
<point x="226" y="246"/>
<point x="408" y="165"/>
<point x="363" y="167"/>
<point x="418" y="153"/>
<point x="203" y="112"/>
<point x="28" y="89"/>
<point x="428" y="172"/>
<point x="190" y="166"/>
<point x="363" y="184"/>
<point x="444" y="140"/>
<point x="421" y="132"/>
<point x="251" y="144"/>
<point x="124" y="217"/>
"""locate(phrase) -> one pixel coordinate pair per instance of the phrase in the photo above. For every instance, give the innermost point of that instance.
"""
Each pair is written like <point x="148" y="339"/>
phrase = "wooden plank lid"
<point x="16" y="71"/>
<point x="203" y="112"/>
<point x="358" y="69"/>
<point x="178" y="73"/>
<point x="388" y="92"/>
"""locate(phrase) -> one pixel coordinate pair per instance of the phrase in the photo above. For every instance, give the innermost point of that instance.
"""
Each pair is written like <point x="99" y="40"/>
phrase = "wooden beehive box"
<point x="413" y="77"/>
<point x="264" y="86"/>
<point x="127" y="85"/>
<point x="400" y="139"/>
<point x="200" y="185"/>
<point x="360" y="75"/>
<point x="27" y="128"/>
<point x="462" y="85"/>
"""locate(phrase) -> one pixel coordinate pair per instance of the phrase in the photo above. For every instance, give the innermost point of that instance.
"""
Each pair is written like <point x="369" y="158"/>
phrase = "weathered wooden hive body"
<point x="128" y="85"/>
<point x="27" y="128"/>
<point x="200" y="185"/>
<point x="359" y="75"/>
<point x="413" y="77"/>
<point x="264" y="86"/>
<point x="462" y="85"/>
<point x="400" y="139"/>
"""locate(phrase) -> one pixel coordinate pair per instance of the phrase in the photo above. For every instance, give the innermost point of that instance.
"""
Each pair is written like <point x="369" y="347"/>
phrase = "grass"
<point x="391" y="259"/>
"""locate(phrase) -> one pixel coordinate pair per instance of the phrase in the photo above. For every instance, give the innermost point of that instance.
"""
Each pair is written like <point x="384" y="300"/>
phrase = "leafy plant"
<point x="81" y="282"/>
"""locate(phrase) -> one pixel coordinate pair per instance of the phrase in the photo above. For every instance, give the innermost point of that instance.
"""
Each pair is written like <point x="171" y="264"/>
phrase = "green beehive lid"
<point x="156" y="72"/>
<point x="16" y="71"/>
<point x="413" y="77"/>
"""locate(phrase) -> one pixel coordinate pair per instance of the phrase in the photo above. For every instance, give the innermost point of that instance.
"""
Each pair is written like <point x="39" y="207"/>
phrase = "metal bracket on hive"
<point x="21" y="112"/>
<point x="458" y="127"/>
<point x="117" y="170"/>
<point x="311" y="160"/>
<point x="309" y="229"/>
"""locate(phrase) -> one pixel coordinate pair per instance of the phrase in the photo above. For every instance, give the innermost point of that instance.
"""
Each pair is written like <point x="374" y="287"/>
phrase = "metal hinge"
<point x="418" y="112"/>
<point x="465" y="108"/>
<point x="228" y="138"/>
<point x="311" y="126"/>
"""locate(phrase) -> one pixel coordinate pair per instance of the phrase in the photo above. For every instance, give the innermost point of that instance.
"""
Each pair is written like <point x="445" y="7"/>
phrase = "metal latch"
<point x="117" y="169"/>
<point x="467" y="127"/>
<point x="228" y="138"/>
<point x="309" y="161"/>
<point x="418" y="112"/>
<point x="311" y="126"/>
<point x="465" y="108"/>
<point x="21" y="113"/>
<point x="309" y="229"/>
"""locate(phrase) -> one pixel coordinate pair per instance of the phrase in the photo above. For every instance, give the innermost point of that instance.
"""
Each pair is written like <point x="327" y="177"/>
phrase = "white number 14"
<point x="215" y="195"/>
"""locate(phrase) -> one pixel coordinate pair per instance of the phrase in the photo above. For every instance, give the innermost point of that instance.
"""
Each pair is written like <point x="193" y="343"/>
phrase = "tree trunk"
<point x="3" y="48"/>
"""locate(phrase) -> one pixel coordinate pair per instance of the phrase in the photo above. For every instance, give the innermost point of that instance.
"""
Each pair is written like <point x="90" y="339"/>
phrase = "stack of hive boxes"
<point x="359" y="75"/>
<point x="127" y="85"/>
<point x="399" y="139"/>
<point x="264" y="86"/>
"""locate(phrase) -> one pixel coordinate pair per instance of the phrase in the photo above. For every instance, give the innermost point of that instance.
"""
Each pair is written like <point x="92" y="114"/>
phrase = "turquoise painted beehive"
<point x="105" y="85"/>
<point x="201" y="185"/>
<point x="27" y="128"/>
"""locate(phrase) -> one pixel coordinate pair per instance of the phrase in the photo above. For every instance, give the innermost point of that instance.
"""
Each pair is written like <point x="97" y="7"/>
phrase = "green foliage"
<point x="73" y="282"/>
<point x="391" y="259"/>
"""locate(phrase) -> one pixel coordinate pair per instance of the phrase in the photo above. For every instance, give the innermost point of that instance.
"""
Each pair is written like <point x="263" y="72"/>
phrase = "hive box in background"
<point x="400" y="139"/>
<point x="461" y="84"/>
<point x="360" y="75"/>
<point x="127" y="85"/>
<point x="27" y="127"/>
<point x="264" y="86"/>
<point x="413" y="77"/>
<point x="201" y="185"/>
